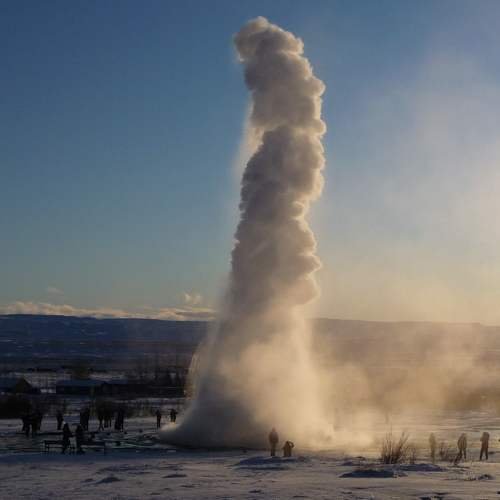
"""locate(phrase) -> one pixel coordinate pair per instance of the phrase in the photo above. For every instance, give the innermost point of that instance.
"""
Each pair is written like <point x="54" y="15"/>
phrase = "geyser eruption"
<point x="256" y="371"/>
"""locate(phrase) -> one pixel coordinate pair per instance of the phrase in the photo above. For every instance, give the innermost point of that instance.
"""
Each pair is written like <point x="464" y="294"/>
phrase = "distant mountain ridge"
<point x="46" y="339"/>
<point x="28" y="339"/>
<point x="52" y="327"/>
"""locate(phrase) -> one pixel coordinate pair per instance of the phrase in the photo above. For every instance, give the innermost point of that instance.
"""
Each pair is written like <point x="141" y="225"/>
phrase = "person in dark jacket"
<point x="120" y="418"/>
<point x="462" y="448"/>
<point x="84" y="419"/>
<point x="38" y="420"/>
<point x="33" y="421"/>
<point x="66" y="434"/>
<point x="158" y="419"/>
<point x="173" y="415"/>
<point x="60" y="419"/>
<point x="433" y="445"/>
<point x="26" y="424"/>
<point x="80" y="437"/>
<point x="273" y="441"/>
<point x="485" y="442"/>
<point x="87" y="419"/>
<point x="108" y="417"/>
<point x="100" y="417"/>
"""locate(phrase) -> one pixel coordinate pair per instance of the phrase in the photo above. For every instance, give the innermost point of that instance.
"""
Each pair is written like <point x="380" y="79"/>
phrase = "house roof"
<point x="80" y="383"/>
<point x="10" y="382"/>
<point x="118" y="381"/>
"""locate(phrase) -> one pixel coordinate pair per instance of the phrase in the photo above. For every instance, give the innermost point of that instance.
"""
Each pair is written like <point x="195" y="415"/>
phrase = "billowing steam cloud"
<point x="255" y="371"/>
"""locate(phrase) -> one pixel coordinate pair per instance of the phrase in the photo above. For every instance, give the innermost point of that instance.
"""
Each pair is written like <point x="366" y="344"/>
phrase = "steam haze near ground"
<point x="256" y="370"/>
<point x="389" y="368"/>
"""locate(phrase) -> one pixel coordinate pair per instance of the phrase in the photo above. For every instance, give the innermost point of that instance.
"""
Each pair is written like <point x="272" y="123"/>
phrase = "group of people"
<point x="79" y="438"/>
<point x="32" y="422"/>
<point x="105" y="420"/>
<point x="273" y="442"/>
<point x="79" y="434"/>
<point x="159" y="415"/>
<point x="462" y="447"/>
<point x="105" y="417"/>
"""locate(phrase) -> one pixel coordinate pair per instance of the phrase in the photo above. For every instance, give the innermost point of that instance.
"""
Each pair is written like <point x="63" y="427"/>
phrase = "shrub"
<point x="81" y="370"/>
<point x="14" y="406"/>
<point x="395" y="450"/>
<point x="412" y="454"/>
<point x="446" y="452"/>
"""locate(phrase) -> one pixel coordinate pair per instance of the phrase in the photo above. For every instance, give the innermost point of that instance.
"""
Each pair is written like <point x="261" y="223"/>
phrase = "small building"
<point x="121" y="387"/>
<point x="127" y="388"/>
<point x="83" y="387"/>
<point x="17" y="385"/>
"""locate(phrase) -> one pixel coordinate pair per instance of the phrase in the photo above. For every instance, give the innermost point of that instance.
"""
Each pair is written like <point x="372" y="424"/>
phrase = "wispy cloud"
<point x="52" y="290"/>
<point x="192" y="299"/>
<point x="166" y="313"/>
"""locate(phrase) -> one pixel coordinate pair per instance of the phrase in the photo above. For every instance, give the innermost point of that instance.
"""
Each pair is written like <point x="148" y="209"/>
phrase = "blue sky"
<point x="121" y="122"/>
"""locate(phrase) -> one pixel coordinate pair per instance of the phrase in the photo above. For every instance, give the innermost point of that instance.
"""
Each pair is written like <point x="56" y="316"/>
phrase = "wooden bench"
<point x="95" y="444"/>
<point x="87" y="444"/>
<point x="57" y="442"/>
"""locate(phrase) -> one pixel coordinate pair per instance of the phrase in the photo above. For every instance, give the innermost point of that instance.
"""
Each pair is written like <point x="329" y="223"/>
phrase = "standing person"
<point x="26" y="424"/>
<point x="100" y="417"/>
<point x="273" y="441"/>
<point x="158" y="418"/>
<point x="59" y="418"/>
<point x="120" y="418"/>
<point x="38" y="418"/>
<point x="86" y="419"/>
<point x="108" y="417"/>
<point x="432" y="445"/>
<point x="173" y="415"/>
<point x="33" y="422"/>
<point x="80" y="436"/>
<point x="462" y="448"/>
<point x="66" y="434"/>
<point x="82" y="418"/>
<point x="485" y="442"/>
<point x="287" y="449"/>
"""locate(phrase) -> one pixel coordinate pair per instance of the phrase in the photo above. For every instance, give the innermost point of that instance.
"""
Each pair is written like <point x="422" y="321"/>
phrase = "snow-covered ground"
<point x="227" y="475"/>
<point x="144" y="468"/>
